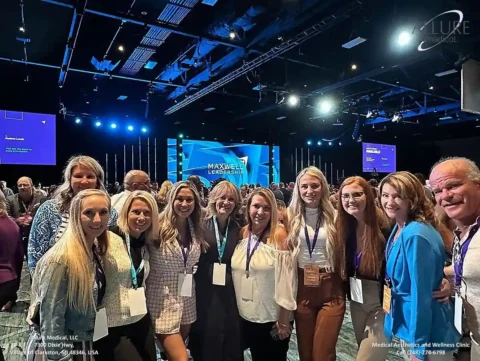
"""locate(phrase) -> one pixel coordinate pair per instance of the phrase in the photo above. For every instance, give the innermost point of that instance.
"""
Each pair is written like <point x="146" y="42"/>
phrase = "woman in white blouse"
<point x="321" y="295"/>
<point x="263" y="277"/>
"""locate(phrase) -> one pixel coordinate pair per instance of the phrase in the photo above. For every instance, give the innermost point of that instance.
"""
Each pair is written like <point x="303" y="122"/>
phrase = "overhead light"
<point x="309" y="142"/>
<point x="326" y="106"/>
<point x="329" y="143"/>
<point x="354" y="42"/>
<point x="354" y="66"/>
<point x="150" y="64"/>
<point x="396" y="117"/>
<point x="319" y="143"/>
<point x="293" y="100"/>
<point x="130" y="128"/>
<point x="113" y="126"/>
<point x="98" y="124"/>
<point x="209" y="109"/>
<point x="122" y="97"/>
<point x="282" y="117"/>
<point x="121" y="48"/>
<point x="431" y="87"/>
<point x="231" y="34"/>
<point x="340" y="143"/>
<point x="447" y="72"/>
<point x="78" y="120"/>
<point x="21" y="29"/>
<point x="404" y="38"/>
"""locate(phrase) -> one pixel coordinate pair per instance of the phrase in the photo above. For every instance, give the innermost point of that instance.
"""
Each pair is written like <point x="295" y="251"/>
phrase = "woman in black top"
<point x="216" y="335"/>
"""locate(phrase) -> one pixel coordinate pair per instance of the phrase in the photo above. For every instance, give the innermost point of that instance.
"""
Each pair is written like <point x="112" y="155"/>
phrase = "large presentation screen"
<point x="381" y="158"/>
<point x="27" y="138"/>
<point x="238" y="163"/>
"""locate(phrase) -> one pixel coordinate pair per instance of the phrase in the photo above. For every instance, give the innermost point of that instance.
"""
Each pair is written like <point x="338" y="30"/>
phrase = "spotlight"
<point x="98" y="124"/>
<point x="293" y="100"/>
<point x="113" y="126"/>
<point x="231" y="34"/>
<point x="121" y="48"/>
<point x="326" y="106"/>
<point x="340" y="143"/>
<point x="404" y="38"/>
<point x="329" y="143"/>
<point x="180" y="135"/>
<point x="397" y="117"/>
<point x="130" y="128"/>
<point x="144" y="130"/>
<point x="78" y="120"/>
<point x="431" y="87"/>
<point x="319" y="143"/>
<point x="21" y="29"/>
<point x="309" y="142"/>
<point x="354" y="67"/>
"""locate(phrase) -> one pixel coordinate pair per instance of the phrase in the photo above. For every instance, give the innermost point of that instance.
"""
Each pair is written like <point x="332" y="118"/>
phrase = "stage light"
<point x="113" y="126"/>
<point x="354" y="67"/>
<point x="340" y="143"/>
<point x="22" y="29"/>
<point x="144" y="130"/>
<point x="404" y="38"/>
<point x="309" y="142"/>
<point x="329" y="143"/>
<point x="98" y="124"/>
<point x="293" y="100"/>
<point x="180" y="135"/>
<point x="78" y="120"/>
<point x="232" y="34"/>
<point x="121" y="48"/>
<point x="130" y="128"/>
<point x="326" y="106"/>
<point x="319" y="143"/>
<point x="431" y="87"/>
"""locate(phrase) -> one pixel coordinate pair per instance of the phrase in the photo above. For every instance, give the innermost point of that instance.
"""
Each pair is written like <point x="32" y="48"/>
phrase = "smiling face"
<point x="455" y="192"/>
<point x="310" y="189"/>
<point x="184" y="203"/>
<point x="259" y="212"/>
<point x="95" y="215"/>
<point x="225" y="204"/>
<point x="82" y="178"/>
<point x="139" y="217"/>
<point x="353" y="200"/>
<point x="393" y="204"/>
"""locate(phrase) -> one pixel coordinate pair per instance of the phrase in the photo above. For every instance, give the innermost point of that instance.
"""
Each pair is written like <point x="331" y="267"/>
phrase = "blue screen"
<point x="236" y="162"/>
<point x="276" y="164"/>
<point x="27" y="138"/>
<point x="172" y="159"/>
<point x="382" y="157"/>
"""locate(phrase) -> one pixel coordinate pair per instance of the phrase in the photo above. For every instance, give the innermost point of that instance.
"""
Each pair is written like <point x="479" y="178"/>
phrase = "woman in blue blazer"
<point x="415" y="257"/>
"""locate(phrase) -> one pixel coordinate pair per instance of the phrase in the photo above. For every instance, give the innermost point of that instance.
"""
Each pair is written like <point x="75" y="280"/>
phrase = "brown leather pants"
<point x="319" y="317"/>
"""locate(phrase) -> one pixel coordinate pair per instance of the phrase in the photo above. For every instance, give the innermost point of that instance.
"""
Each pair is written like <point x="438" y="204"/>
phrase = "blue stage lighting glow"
<point x="319" y="143"/>
<point x="113" y="126"/>
<point x="98" y="124"/>
<point x="78" y="120"/>
<point x="309" y="142"/>
<point x="144" y="130"/>
<point x="130" y="128"/>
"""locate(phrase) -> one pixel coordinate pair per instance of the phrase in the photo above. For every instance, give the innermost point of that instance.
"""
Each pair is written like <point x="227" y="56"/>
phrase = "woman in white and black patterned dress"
<point x="170" y="290"/>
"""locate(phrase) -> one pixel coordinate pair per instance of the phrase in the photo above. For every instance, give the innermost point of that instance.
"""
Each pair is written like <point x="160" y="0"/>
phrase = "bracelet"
<point x="282" y="324"/>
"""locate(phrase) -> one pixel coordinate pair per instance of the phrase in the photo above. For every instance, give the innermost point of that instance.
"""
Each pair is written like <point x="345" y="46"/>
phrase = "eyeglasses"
<point x="355" y="195"/>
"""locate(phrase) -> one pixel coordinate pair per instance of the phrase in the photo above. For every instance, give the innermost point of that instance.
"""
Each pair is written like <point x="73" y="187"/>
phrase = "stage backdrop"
<point x="239" y="163"/>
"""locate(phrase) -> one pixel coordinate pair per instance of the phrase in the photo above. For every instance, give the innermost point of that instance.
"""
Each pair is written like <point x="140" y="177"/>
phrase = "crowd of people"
<point x="208" y="273"/>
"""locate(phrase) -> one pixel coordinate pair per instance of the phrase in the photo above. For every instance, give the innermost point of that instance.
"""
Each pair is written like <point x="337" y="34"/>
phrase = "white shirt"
<point x="319" y="252"/>
<point x="274" y="281"/>
<point x="118" y="200"/>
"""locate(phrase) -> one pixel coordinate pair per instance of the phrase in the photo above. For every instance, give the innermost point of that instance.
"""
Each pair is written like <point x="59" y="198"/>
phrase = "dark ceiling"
<point x="298" y="43"/>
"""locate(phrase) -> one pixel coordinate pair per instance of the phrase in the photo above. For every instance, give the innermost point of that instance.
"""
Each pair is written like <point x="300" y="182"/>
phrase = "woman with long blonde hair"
<point x="216" y="335"/>
<point x="321" y="296"/>
<point x="162" y="194"/>
<point x="263" y="277"/>
<point x="52" y="218"/>
<point x="170" y="287"/>
<point x="69" y="283"/>
<point x="130" y="336"/>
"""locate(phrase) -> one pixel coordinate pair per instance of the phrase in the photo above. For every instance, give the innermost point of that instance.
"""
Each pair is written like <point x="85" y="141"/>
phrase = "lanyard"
<point x="311" y="246"/>
<point x="100" y="278"/>
<point x="357" y="260"/>
<point x="250" y="254"/>
<point x="132" y="268"/>
<point x="460" y="259"/>
<point x="220" y="245"/>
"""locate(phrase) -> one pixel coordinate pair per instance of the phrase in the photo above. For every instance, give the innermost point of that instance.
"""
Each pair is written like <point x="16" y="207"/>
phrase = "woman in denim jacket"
<point x="69" y="284"/>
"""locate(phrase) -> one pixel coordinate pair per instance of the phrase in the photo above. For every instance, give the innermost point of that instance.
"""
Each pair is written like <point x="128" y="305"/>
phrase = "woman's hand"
<point x="443" y="295"/>
<point x="284" y="330"/>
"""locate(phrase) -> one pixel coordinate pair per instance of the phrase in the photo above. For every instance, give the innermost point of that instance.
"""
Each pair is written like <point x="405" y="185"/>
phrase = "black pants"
<point x="8" y="292"/>
<point x="261" y="344"/>
<point x="134" y="342"/>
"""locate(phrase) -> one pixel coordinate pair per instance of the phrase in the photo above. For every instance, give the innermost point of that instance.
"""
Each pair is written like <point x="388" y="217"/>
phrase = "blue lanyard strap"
<point x="133" y="272"/>
<point x="460" y="252"/>
<point x="223" y="242"/>
<point x="311" y="245"/>
<point x="250" y="254"/>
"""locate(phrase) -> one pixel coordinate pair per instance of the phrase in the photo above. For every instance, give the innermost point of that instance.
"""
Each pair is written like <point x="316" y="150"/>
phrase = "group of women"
<point x="109" y="287"/>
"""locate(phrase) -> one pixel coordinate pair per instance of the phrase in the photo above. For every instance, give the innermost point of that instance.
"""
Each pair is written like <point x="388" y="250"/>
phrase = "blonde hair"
<point x="272" y="227"/>
<point x="151" y="233"/>
<point x="409" y="188"/>
<point x="168" y="232"/>
<point x="64" y="193"/>
<point x="218" y="192"/>
<point x="296" y="211"/>
<point x="72" y="250"/>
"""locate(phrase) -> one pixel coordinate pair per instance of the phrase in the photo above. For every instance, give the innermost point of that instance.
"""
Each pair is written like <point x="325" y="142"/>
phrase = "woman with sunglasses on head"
<point x="415" y="259"/>
<point x="130" y="335"/>
<point x="69" y="285"/>
<point x="264" y="280"/>
<point x="170" y="287"/>
<point x="321" y="295"/>
<point x="216" y="335"/>
<point x="82" y="172"/>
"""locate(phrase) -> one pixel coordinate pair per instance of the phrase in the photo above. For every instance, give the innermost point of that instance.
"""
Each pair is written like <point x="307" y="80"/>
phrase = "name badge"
<point x="387" y="299"/>
<point x="219" y="274"/>
<point x="137" y="301"/>
<point x="356" y="290"/>
<point x="311" y="275"/>
<point x="458" y="315"/>
<point x="185" y="284"/>
<point x="247" y="288"/>
<point x="101" y="325"/>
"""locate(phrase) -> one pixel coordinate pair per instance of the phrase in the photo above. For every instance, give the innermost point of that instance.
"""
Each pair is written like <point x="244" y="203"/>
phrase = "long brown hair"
<point x="373" y="239"/>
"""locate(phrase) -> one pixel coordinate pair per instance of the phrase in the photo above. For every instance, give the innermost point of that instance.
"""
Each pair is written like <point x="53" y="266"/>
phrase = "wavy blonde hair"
<point x="273" y="225"/>
<point x="72" y="250"/>
<point x="218" y="192"/>
<point x="168" y="232"/>
<point x="296" y="211"/>
<point x="64" y="193"/>
<point x="409" y="188"/>
<point x="163" y="192"/>
<point x="151" y="233"/>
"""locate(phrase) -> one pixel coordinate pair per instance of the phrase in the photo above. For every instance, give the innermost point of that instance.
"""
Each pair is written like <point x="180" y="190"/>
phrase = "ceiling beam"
<point x="417" y="113"/>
